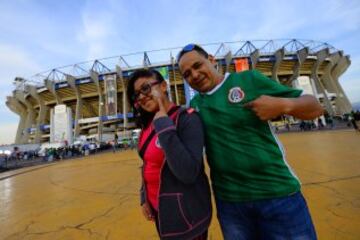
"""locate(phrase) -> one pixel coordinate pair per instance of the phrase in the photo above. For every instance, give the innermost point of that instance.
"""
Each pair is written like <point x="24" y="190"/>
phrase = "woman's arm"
<point x="183" y="147"/>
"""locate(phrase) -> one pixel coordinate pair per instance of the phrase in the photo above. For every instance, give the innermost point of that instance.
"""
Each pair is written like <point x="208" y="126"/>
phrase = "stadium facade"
<point x="90" y="97"/>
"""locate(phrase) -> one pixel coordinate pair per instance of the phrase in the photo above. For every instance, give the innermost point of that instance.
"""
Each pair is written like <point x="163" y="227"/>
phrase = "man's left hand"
<point x="266" y="107"/>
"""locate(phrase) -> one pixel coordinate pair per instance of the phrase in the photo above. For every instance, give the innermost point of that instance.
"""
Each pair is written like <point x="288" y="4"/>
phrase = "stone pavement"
<point x="96" y="197"/>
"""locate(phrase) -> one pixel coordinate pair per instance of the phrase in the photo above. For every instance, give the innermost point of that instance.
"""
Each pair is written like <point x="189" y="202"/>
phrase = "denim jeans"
<point x="278" y="219"/>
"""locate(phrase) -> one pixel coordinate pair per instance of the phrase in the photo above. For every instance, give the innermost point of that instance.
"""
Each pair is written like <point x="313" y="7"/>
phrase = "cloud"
<point x="13" y="62"/>
<point x="93" y="36"/>
<point x="269" y="21"/>
<point x="345" y="15"/>
<point x="99" y="27"/>
<point x="33" y="26"/>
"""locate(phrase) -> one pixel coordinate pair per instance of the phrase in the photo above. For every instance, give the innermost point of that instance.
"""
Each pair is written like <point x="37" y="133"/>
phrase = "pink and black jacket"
<point x="184" y="201"/>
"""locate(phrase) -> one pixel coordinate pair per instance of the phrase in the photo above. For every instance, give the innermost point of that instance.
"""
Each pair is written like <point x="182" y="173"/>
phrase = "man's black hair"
<point x="195" y="48"/>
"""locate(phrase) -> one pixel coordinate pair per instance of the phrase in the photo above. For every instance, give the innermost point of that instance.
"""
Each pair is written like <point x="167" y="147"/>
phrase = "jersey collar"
<point x="219" y="85"/>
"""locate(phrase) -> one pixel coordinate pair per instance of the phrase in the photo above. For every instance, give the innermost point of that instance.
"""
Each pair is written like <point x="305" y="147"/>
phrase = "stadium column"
<point x="254" y="57"/>
<point x="320" y="58"/>
<point x="301" y="57"/>
<point x="42" y="113"/>
<point x="336" y="72"/>
<point x="124" y="98"/>
<point x="18" y="108"/>
<point x="50" y="85"/>
<point x="95" y="78"/>
<point x="327" y="80"/>
<point x="79" y="104"/>
<point x="279" y="56"/>
<point x="20" y="96"/>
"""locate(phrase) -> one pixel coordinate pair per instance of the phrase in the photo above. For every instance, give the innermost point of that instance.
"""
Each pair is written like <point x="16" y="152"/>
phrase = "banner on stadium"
<point x="44" y="127"/>
<point x="241" y="64"/>
<point x="306" y="84"/>
<point x="88" y="120"/>
<point x="111" y="94"/>
<point x="164" y="71"/>
<point x="61" y="124"/>
<point x="115" y="117"/>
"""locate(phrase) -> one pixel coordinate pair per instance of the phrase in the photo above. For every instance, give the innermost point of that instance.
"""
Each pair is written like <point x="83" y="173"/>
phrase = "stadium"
<point x="88" y="98"/>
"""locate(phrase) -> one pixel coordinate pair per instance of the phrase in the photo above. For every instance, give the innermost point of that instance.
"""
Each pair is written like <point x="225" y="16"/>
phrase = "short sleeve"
<point x="194" y="102"/>
<point x="270" y="87"/>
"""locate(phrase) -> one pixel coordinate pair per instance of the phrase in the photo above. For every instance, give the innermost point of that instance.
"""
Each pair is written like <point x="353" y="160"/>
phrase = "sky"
<point x="38" y="35"/>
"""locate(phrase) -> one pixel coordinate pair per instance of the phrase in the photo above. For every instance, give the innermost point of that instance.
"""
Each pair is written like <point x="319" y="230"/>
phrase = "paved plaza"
<point x="96" y="197"/>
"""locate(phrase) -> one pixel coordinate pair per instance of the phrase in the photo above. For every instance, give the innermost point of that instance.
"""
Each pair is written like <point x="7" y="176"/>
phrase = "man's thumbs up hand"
<point x="266" y="107"/>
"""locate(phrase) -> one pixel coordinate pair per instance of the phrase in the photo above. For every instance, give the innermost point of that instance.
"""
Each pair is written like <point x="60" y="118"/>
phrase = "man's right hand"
<point x="147" y="212"/>
<point x="305" y="107"/>
<point x="267" y="107"/>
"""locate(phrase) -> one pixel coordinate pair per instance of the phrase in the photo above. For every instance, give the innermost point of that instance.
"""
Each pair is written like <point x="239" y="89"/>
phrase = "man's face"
<point x="198" y="71"/>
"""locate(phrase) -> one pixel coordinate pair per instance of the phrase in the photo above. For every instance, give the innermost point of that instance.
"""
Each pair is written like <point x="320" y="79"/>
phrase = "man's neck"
<point x="218" y="82"/>
<point x="220" y="79"/>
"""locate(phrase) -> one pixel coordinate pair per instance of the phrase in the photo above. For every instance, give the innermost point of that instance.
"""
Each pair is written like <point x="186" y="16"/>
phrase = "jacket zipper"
<point x="162" y="166"/>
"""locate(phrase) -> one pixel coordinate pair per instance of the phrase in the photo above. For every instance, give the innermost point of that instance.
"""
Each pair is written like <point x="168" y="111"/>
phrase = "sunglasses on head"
<point x="145" y="89"/>
<point x="188" y="48"/>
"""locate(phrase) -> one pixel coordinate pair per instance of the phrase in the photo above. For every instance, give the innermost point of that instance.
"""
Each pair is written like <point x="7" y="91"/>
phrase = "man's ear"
<point x="212" y="59"/>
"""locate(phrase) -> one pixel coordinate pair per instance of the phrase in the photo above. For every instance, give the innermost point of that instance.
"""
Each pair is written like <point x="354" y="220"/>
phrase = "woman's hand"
<point x="160" y="98"/>
<point x="147" y="212"/>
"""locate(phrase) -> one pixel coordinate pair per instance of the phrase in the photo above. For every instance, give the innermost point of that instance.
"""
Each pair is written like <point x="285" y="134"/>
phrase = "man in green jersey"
<point x="257" y="193"/>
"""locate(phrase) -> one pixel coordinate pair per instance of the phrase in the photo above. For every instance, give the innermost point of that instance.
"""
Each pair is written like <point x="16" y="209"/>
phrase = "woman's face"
<point x="144" y="88"/>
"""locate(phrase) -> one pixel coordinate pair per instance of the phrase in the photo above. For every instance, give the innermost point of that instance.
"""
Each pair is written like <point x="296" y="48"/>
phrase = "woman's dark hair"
<point x="142" y="117"/>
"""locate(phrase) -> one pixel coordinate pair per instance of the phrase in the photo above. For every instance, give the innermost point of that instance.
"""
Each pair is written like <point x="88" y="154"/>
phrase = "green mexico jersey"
<point x="246" y="159"/>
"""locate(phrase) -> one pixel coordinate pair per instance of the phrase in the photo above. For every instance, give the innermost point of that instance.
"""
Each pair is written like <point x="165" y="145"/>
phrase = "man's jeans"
<point x="278" y="219"/>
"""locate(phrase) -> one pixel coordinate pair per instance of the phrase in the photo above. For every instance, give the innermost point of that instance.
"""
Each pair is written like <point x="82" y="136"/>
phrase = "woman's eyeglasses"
<point x="145" y="89"/>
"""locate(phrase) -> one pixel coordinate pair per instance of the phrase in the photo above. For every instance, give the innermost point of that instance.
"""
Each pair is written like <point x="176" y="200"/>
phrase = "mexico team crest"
<point x="236" y="95"/>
